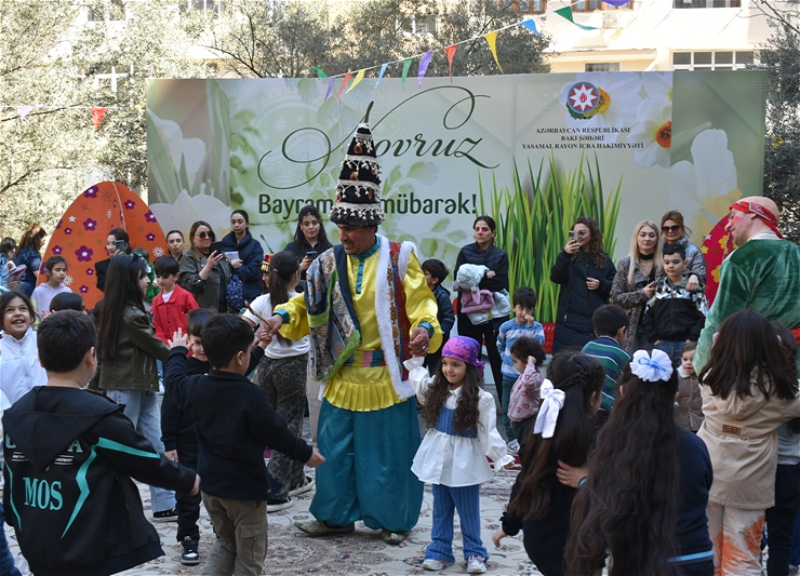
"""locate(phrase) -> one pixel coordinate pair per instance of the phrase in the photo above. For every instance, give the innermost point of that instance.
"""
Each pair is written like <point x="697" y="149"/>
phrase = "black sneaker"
<point x="170" y="515"/>
<point x="190" y="556"/>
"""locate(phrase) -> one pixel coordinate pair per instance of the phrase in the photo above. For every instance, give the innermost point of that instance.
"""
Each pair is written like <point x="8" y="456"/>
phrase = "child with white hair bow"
<point x="563" y="432"/>
<point x="644" y="496"/>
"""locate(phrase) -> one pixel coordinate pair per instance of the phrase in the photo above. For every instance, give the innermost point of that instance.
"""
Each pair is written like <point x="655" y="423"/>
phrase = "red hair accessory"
<point x="755" y="208"/>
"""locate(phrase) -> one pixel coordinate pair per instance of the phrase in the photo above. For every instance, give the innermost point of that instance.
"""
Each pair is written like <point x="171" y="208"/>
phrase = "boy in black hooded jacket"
<point x="69" y="457"/>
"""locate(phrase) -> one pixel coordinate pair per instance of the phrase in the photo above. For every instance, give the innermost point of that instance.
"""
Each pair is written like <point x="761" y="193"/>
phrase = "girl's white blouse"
<point x="453" y="460"/>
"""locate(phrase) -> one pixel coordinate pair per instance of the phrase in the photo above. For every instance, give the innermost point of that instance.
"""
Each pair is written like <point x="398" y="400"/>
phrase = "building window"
<point x="602" y="67"/>
<point x="418" y="24"/>
<point x="727" y="60"/>
<point x="108" y="10"/>
<point x="706" y="3"/>
<point x="592" y="5"/>
<point x="107" y="80"/>
<point x="529" y="6"/>
<point x="206" y="5"/>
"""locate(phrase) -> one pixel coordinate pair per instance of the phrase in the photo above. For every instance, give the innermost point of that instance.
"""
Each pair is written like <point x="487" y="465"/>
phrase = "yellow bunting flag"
<point x="359" y="78"/>
<point x="491" y="40"/>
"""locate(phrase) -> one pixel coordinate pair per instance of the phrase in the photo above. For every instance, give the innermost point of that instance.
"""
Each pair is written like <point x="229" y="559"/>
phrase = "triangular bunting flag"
<point x="344" y="83"/>
<point x="531" y="25"/>
<point x="451" y="53"/>
<point x="359" y="78"/>
<point x="491" y="40"/>
<point x="406" y="66"/>
<point x="423" y="67"/>
<point x="330" y="87"/>
<point x="24" y="111"/>
<point x="381" y="73"/>
<point x="97" y="115"/>
<point x="566" y="12"/>
<point x="320" y="73"/>
<point x="619" y="3"/>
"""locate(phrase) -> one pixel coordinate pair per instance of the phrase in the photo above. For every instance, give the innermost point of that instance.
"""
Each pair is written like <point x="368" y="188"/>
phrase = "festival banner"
<point x="532" y="151"/>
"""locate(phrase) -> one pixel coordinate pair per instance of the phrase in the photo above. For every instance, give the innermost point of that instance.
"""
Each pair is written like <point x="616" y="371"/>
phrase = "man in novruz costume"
<point x="762" y="274"/>
<point x="366" y="308"/>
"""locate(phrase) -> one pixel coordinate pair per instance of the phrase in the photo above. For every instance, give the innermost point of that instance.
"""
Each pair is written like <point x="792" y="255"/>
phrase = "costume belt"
<point x="366" y="359"/>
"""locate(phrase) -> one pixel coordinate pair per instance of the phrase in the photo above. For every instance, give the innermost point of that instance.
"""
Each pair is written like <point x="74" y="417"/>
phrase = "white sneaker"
<point x="513" y="447"/>
<point x="306" y="486"/>
<point x="476" y="565"/>
<point x="432" y="564"/>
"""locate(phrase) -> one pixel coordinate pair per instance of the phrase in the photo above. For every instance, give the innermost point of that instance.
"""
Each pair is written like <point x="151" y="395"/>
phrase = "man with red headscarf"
<point x="762" y="274"/>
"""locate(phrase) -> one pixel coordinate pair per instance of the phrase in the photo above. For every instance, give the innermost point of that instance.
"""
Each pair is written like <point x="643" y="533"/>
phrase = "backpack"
<point x="234" y="295"/>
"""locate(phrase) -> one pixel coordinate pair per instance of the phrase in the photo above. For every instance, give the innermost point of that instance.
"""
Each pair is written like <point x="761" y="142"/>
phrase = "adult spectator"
<point x="675" y="233"/>
<point x="246" y="264"/>
<point x="310" y="239"/>
<point x="203" y="271"/>
<point x="483" y="252"/>
<point x="176" y="244"/>
<point x="635" y="281"/>
<point x="586" y="274"/>
<point x="117" y="243"/>
<point x="29" y="253"/>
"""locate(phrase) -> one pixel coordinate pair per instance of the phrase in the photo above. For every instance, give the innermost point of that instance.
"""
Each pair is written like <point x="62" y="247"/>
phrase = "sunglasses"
<point x="482" y="229"/>
<point x="674" y="228"/>
<point x="205" y="235"/>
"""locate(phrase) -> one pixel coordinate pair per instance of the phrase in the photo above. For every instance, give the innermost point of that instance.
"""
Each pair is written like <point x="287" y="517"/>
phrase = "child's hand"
<point x="179" y="339"/>
<point x="497" y="536"/>
<point x="44" y="314"/>
<point x="531" y="360"/>
<point x="510" y="465"/>
<point x="172" y="455"/>
<point x="529" y="319"/>
<point x="316" y="459"/>
<point x="264" y="337"/>
<point x="571" y="476"/>
<point x="196" y="488"/>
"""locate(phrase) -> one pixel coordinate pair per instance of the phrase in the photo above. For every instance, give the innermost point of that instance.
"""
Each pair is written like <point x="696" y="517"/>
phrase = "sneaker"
<point x="513" y="447"/>
<point x="274" y="504"/>
<point x="190" y="556"/>
<point x="432" y="564"/>
<point x="304" y="487"/>
<point x="476" y="565"/>
<point x="170" y="515"/>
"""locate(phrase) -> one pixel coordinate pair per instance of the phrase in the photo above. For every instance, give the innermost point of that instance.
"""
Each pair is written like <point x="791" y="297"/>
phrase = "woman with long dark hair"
<point x="282" y="374"/>
<point x="483" y="252"/>
<point x="117" y="243"/>
<point x="644" y="499"/>
<point x="28" y="253"/>
<point x="310" y="239"/>
<point x="563" y="432"/>
<point x="586" y="274"/>
<point x="127" y="351"/>
<point x="246" y="265"/>
<point x="203" y="271"/>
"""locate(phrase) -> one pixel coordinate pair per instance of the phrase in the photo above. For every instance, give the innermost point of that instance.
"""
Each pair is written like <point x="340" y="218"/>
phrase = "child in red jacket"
<point x="171" y="306"/>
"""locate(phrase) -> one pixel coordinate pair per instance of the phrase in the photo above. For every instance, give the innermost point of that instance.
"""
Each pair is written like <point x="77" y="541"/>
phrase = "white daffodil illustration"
<point x="604" y="101"/>
<point x="654" y="132"/>
<point x="188" y="209"/>
<point x="658" y="85"/>
<point x="704" y="189"/>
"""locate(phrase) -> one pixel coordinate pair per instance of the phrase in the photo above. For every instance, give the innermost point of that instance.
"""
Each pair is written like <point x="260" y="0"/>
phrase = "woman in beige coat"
<point x="749" y="389"/>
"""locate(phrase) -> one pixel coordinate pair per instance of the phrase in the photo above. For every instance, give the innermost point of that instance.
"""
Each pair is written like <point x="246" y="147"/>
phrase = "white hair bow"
<point x="652" y="367"/>
<point x="552" y="402"/>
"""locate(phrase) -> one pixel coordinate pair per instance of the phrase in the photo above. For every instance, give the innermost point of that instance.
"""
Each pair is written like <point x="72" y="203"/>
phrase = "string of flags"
<point x="98" y="112"/>
<point x="426" y="57"/>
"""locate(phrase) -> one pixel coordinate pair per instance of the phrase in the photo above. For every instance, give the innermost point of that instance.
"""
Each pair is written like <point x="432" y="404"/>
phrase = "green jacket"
<point x="138" y="348"/>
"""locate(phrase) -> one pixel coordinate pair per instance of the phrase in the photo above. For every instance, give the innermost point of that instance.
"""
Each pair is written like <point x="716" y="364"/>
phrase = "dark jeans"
<point x="187" y="506"/>
<point x="780" y="519"/>
<point x="523" y="430"/>
<point x="7" y="567"/>
<point x="672" y="348"/>
<point x="486" y="334"/>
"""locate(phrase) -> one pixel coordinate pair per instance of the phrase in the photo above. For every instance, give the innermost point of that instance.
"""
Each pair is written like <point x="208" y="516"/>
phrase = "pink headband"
<point x="465" y="349"/>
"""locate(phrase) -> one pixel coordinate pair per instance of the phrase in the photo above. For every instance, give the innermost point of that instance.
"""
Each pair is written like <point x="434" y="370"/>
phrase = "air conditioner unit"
<point x="611" y="20"/>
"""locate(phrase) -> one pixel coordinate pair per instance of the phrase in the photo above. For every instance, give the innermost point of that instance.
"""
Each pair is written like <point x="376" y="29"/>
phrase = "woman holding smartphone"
<point x="118" y="242"/>
<point x="586" y="275"/>
<point x="245" y="254"/>
<point x="204" y="271"/>
<point x="310" y="240"/>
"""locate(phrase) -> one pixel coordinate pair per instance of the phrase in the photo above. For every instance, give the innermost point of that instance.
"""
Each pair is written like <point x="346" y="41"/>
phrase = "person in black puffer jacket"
<point x="248" y="265"/>
<point x="586" y="274"/>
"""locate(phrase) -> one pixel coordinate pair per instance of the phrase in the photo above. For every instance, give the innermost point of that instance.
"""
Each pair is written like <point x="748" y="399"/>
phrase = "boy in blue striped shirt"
<point x="611" y="328"/>
<point x="522" y="324"/>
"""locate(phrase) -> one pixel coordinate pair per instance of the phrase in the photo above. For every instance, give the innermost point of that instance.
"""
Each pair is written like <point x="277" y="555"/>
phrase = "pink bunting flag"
<point x="97" y="115"/>
<point x="24" y="111"/>
<point x="344" y="83"/>
<point x="451" y="53"/>
<point x="423" y="67"/>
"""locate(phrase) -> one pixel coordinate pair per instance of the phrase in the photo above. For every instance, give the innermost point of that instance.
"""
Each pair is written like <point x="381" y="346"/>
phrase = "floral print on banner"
<point x="80" y="236"/>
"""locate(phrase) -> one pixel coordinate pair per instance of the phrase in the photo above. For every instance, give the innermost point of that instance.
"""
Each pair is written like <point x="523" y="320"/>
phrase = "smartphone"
<point x="312" y="254"/>
<point x="571" y="235"/>
<point x="121" y="245"/>
<point x="217" y="247"/>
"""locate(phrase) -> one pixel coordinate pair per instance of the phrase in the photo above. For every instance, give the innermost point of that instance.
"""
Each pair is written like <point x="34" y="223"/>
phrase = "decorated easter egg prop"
<point x="80" y="235"/>
<point x="715" y="248"/>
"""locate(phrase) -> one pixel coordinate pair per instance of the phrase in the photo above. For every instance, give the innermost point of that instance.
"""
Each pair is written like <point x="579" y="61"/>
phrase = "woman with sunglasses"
<point x="483" y="252"/>
<point x="586" y="274"/>
<point x="205" y="272"/>
<point x="635" y="280"/>
<point x="675" y="233"/>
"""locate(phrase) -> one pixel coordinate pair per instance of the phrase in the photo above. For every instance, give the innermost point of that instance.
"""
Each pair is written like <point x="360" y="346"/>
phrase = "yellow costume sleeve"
<point x="421" y="303"/>
<point x="297" y="324"/>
